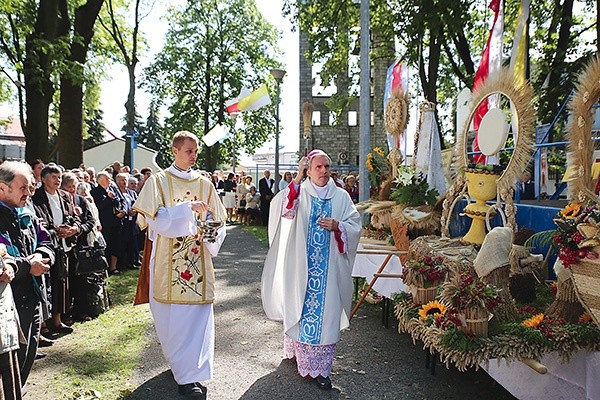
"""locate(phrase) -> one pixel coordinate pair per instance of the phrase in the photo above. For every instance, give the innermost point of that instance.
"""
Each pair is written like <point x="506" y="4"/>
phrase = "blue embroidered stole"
<point x="317" y="250"/>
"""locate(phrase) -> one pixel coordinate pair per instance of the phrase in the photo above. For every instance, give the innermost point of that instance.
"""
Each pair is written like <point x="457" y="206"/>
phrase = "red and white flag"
<point x="491" y="62"/>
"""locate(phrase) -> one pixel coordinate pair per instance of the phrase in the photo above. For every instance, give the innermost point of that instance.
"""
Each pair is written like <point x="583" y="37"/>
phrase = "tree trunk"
<point x="37" y="68"/>
<point x="70" y="130"/>
<point x="130" y="115"/>
<point x="212" y="152"/>
<point x="429" y="78"/>
<point x="555" y="93"/>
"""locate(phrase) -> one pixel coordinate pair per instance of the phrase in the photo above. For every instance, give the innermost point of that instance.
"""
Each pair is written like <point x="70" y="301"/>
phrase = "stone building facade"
<point x="340" y="141"/>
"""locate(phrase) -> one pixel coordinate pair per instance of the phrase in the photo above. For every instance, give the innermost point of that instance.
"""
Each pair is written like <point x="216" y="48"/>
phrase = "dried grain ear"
<point x="307" y="111"/>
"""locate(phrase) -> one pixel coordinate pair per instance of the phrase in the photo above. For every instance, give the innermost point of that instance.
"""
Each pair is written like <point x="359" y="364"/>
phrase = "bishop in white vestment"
<point x="181" y="271"/>
<point x="314" y="230"/>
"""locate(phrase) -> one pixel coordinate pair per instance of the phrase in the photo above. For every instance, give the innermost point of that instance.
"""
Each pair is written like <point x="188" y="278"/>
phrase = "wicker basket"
<point x="476" y="320"/>
<point x="425" y="295"/>
<point x="400" y="234"/>
<point x="586" y="276"/>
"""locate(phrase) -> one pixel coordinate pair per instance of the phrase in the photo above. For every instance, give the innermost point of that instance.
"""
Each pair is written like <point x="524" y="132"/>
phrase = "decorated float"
<point x="467" y="302"/>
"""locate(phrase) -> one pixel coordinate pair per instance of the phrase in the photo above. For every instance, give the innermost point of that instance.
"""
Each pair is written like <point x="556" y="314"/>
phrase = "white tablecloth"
<point x="578" y="380"/>
<point x="366" y="265"/>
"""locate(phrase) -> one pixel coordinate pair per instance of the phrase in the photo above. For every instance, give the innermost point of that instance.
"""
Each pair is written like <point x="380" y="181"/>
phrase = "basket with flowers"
<point x="578" y="238"/>
<point x="424" y="274"/>
<point x="577" y="233"/>
<point x="473" y="300"/>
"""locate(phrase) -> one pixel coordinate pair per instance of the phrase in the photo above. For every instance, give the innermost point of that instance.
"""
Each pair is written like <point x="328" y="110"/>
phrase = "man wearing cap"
<point x="307" y="279"/>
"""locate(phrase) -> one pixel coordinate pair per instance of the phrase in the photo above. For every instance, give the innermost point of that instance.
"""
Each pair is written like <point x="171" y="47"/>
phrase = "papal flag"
<point x="249" y="101"/>
<point x="518" y="57"/>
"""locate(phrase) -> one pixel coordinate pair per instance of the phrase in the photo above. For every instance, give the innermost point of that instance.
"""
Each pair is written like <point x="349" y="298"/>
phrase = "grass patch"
<point x="99" y="358"/>
<point x="259" y="231"/>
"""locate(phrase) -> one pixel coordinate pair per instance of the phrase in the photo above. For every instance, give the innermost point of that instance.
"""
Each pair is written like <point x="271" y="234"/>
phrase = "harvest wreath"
<point x="442" y="330"/>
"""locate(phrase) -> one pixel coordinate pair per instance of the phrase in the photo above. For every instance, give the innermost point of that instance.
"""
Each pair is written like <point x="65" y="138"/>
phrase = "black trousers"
<point x="265" y="206"/>
<point x="30" y="320"/>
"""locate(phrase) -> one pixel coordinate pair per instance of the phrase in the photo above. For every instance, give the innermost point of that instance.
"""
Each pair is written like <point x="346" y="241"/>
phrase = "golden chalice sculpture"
<point x="481" y="186"/>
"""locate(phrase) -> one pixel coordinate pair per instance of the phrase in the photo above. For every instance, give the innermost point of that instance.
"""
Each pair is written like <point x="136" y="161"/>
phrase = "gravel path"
<point x="373" y="362"/>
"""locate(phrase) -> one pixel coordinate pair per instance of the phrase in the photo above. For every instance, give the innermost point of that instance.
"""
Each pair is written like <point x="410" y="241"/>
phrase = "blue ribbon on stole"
<point x="317" y="250"/>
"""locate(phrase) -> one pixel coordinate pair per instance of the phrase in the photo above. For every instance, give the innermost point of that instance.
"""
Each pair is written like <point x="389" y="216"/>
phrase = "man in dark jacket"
<point x="56" y="209"/>
<point x="265" y="187"/>
<point x="28" y="242"/>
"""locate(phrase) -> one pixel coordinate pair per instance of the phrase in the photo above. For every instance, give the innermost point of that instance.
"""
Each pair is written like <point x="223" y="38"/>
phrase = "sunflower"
<point x="585" y="318"/>
<point x="369" y="164"/>
<point x="432" y="308"/>
<point x="379" y="151"/>
<point x="534" y="321"/>
<point x="571" y="210"/>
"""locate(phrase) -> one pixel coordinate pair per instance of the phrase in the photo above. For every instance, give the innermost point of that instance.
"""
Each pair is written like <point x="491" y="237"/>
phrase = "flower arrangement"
<point x="425" y="272"/>
<point x="434" y="309"/>
<point x="412" y="188"/>
<point x="465" y="291"/>
<point x="577" y="232"/>
<point x="378" y="166"/>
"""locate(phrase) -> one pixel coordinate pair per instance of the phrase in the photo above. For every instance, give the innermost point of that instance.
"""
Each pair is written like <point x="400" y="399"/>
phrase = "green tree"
<point x="37" y="60"/>
<point x="212" y="48"/>
<point x="95" y="130"/>
<point x="78" y="34"/>
<point x="127" y="39"/>
<point x="40" y="48"/>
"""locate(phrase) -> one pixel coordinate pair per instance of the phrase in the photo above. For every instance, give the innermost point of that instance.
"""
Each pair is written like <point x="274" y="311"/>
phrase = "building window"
<point x="352" y="118"/>
<point x="316" y="118"/>
<point x="332" y="118"/>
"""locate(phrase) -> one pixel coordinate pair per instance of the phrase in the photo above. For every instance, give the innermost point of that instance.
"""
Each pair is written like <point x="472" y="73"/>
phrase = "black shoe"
<point x="39" y="355"/>
<point x="64" y="329"/>
<point x="114" y="272"/>
<point x="201" y="386"/>
<point x="45" y="342"/>
<point x="323" y="383"/>
<point x="191" y="390"/>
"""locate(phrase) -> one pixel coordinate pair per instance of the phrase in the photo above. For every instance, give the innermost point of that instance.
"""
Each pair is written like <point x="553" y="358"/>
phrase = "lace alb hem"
<point x="312" y="360"/>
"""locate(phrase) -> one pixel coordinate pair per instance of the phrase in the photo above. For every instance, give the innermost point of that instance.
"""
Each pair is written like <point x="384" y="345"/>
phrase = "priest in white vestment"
<point x="314" y="230"/>
<point x="182" y="277"/>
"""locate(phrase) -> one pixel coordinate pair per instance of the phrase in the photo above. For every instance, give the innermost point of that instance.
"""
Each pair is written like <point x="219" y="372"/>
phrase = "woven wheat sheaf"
<point x="521" y="96"/>
<point x="579" y="132"/>
<point x="586" y="275"/>
<point x="396" y="114"/>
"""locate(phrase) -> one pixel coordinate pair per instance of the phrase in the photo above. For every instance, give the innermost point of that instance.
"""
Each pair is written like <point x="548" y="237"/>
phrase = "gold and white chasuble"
<point x="183" y="269"/>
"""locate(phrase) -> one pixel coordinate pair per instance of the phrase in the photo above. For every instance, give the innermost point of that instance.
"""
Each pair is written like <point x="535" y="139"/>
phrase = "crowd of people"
<point x="53" y="221"/>
<point x="247" y="204"/>
<point x="50" y="215"/>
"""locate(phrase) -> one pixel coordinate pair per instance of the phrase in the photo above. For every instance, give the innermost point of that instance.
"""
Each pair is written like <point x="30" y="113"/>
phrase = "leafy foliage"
<point x="211" y="50"/>
<point x="413" y="189"/>
<point x="453" y="338"/>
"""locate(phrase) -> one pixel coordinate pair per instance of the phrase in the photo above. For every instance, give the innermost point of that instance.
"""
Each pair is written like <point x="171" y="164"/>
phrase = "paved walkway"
<point x="372" y="362"/>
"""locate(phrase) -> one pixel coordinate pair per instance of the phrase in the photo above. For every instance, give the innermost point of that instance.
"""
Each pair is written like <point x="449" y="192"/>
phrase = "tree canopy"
<point x="213" y="48"/>
<point x="443" y="41"/>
